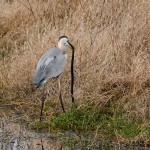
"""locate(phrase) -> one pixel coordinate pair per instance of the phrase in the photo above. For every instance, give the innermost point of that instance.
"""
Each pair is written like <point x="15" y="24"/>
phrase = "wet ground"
<point x="15" y="136"/>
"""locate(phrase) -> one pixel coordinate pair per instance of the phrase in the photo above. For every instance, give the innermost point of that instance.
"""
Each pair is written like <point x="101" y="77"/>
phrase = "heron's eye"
<point x="65" y="44"/>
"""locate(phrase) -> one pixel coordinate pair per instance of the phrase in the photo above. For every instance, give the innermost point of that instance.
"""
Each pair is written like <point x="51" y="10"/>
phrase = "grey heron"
<point x="51" y="65"/>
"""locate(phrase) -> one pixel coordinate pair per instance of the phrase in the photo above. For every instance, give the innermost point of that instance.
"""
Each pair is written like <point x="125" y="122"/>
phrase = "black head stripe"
<point x="63" y="36"/>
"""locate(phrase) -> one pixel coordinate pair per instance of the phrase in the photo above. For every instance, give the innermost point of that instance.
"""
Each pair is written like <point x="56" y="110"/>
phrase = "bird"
<point x="51" y="65"/>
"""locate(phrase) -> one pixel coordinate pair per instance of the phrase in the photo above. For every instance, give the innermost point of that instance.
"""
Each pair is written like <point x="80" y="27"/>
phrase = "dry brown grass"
<point x="112" y="57"/>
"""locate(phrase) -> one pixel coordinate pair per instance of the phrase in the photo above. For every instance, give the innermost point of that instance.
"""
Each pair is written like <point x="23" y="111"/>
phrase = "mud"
<point x="16" y="136"/>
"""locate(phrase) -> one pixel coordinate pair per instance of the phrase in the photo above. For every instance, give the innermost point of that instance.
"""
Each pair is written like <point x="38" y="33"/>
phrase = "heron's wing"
<point x="56" y="66"/>
<point x="50" y="65"/>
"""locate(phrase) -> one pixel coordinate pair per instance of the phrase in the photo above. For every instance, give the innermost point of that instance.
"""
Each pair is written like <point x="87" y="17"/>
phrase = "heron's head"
<point x="63" y="42"/>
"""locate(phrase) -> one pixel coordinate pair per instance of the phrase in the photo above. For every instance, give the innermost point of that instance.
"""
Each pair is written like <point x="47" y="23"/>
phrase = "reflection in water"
<point x="16" y="137"/>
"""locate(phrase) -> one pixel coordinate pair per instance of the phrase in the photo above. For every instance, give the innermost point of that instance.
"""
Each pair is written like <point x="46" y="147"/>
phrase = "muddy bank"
<point x="15" y="135"/>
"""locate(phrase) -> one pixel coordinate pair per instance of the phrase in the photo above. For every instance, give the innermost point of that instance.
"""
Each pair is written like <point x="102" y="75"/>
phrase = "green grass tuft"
<point x="127" y="128"/>
<point x="81" y="119"/>
<point x="106" y="121"/>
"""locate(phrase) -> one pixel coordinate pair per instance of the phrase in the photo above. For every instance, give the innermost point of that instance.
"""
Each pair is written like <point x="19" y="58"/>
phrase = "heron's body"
<point x="50" y="65"/>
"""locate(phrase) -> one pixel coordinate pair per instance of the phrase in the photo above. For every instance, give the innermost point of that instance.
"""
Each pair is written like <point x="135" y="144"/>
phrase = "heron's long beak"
<point x="70" y="45"/>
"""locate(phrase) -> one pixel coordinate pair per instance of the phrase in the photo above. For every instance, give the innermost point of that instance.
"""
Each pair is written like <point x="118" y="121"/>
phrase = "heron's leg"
<point x="60" y="95"/>
<point x="42" y="144"/>
<point x="43" y="97"/>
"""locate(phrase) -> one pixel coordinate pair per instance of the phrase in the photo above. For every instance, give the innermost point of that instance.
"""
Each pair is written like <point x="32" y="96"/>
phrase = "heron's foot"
<point x="62" y="105"/>
<point x="43" y="97"/>
<point x="41" y="118"/>
<point x="74" y="106"/>
<point x="63" y="110"/>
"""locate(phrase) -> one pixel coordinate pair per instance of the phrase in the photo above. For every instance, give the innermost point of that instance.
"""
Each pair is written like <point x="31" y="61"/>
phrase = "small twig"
<point x="90" y="16"/>
<point x="29" y="8"/>
<point x="98" y="25"/>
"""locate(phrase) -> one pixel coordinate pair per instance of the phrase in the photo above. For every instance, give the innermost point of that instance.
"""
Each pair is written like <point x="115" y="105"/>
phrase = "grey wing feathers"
<point x="50" y="65"/>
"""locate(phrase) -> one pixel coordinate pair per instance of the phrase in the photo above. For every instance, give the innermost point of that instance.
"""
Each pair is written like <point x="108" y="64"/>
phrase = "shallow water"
<point x="15" y="136"/>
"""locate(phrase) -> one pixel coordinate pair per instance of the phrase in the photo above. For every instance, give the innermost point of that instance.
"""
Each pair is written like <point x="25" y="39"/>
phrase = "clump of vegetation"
<point x="81" y="119"/>
<point x="107" y="121"/>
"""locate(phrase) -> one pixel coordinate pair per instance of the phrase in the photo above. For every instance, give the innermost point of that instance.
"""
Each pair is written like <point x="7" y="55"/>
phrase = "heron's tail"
<point x="39" y="84"/>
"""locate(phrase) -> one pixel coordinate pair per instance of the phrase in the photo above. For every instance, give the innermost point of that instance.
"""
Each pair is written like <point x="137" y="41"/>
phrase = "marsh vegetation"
<point x="112" y="65"/>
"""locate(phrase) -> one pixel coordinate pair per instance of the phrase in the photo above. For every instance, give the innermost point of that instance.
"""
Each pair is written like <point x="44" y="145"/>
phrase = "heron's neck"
<point x="61" y="46"/>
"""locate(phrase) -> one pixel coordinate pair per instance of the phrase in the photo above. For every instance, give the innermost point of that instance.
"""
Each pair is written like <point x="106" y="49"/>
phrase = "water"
<point x="15" y="136"/>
